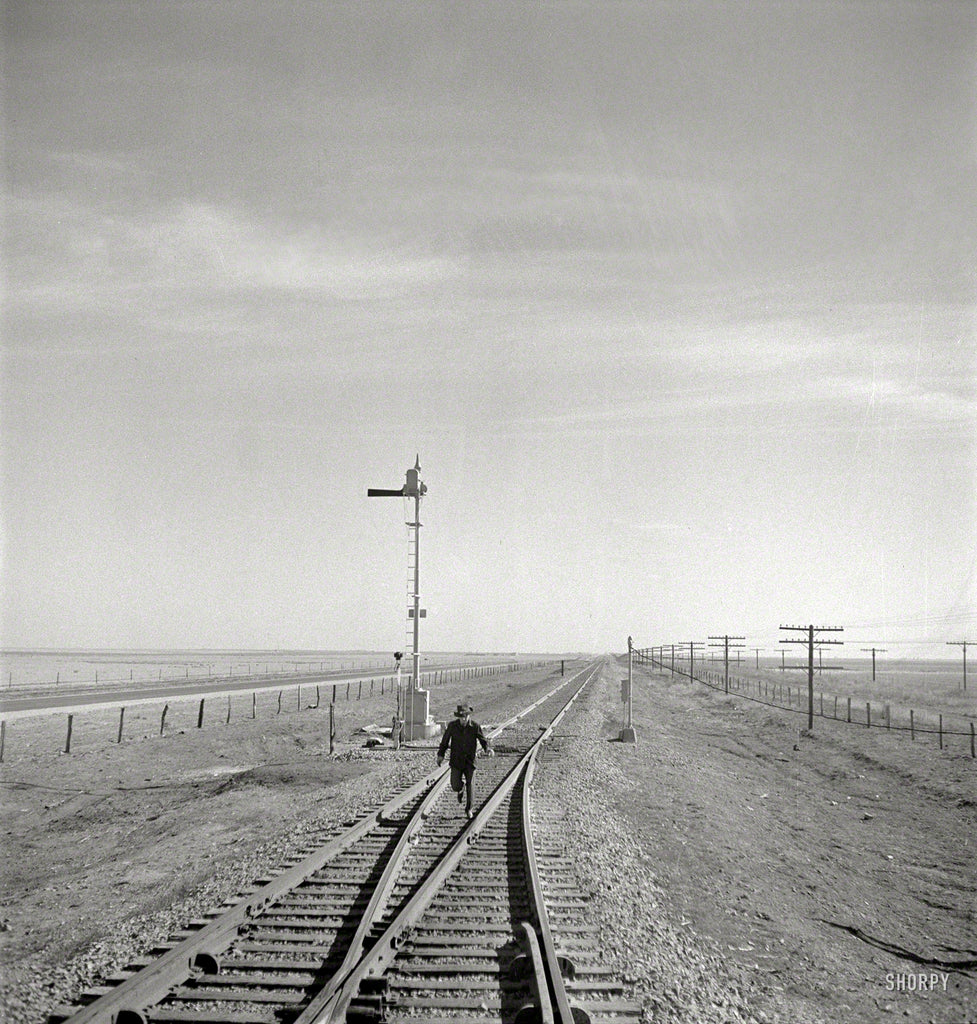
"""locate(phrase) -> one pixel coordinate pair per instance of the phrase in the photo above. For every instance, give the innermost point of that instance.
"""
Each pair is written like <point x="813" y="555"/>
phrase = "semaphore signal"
<point x="419" y="724"/>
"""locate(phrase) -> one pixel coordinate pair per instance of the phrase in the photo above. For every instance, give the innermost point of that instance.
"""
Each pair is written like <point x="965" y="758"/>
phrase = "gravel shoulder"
<point x="742" y="871"/>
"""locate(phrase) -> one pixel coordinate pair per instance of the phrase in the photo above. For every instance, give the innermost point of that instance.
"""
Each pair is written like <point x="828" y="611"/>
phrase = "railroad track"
<point x="412" y="913"/>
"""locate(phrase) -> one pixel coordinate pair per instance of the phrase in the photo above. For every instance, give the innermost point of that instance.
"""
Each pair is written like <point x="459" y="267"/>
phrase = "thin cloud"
<point x="76" y="257"/>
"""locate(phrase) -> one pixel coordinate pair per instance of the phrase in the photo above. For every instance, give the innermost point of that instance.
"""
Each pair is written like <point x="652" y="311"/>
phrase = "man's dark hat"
<point x="462" y="709"/>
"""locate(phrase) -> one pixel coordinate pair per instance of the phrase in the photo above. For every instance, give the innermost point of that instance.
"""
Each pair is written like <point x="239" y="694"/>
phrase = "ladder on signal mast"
<point x="411" y="592"/>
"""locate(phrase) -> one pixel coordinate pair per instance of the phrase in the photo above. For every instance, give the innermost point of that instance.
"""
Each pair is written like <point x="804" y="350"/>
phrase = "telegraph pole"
<point x="693" y="644"/>
<point x="811" y="630"/>
<point x="964" y="644"/>
<point x="725" y="645"/>
<point x="756" y="651"/>
<point x="874" y="650"/>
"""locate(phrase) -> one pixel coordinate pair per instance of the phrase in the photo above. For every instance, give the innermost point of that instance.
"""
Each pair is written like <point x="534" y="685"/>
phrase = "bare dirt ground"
<point x="808" y="874"/>
<point x="842" y="866"/>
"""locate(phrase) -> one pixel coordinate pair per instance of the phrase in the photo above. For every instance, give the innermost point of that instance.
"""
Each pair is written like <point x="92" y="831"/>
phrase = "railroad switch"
<point x="529" y="1013"/>
<point x="369" y="1005"/>
<point x="129" y="1016"/>
<point x="207" y="963"/>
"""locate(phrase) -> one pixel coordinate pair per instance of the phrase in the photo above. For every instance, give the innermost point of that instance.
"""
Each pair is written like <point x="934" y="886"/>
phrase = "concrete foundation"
<point x="418" y="723"/>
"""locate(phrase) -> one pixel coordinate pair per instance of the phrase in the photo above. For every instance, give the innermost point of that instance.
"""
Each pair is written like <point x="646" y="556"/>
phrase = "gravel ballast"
<point x="666" y="967"/>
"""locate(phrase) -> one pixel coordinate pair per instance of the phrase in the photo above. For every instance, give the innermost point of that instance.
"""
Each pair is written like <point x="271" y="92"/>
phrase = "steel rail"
<point x="379" y="957"/>
<point x="544" y="1005"/>
<point x="128" y="1001"/>
<point x="388" y="879"/>
<point x="378" y="900"/>
<point x="554" y="968"/>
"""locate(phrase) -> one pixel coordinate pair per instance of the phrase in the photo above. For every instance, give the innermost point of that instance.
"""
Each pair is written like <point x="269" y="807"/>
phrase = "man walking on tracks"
<point x="463" y="736"/>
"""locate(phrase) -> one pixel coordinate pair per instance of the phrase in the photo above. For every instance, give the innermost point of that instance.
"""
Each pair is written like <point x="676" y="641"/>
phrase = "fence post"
<point x="912" y="725"/>
<point x="834" y="714"/>
<point x="298" y="698"/>
<point x="941" y="732"/>
<point x="849" y="710"/>
<point x="332" y="727"/>
<point x="254" y="704"/>
<point x="972" y="754"/>
<point x="3" y="738"/>
<point x="162" y="718"/>
<point x="200" y="714"/>
<point x="279" y="711"/>
<point x="122" y="715"/>
<point x="888" y="716"/>
<point x="67" y="740"/>
<point x="868" y="714"/>
<point x="228" y="722"/>
<point x="347" y="691"/>
<point x="359" y="689"/>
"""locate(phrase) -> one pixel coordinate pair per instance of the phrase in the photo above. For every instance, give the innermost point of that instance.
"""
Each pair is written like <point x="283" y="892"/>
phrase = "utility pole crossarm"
<point x="809" y="640"/>
<point x="726" y="646"/>
<point x="874" y="651"/>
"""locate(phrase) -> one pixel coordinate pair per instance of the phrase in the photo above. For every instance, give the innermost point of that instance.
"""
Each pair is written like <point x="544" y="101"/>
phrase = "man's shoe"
<point x="469" y="815"/>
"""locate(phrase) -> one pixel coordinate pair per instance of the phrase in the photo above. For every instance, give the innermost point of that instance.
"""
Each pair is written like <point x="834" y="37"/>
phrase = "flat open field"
<point x="934" y="685"/>
<point x="917" y="694"/>
<point x="740" y="871"/>
<point x="68" y="670"/>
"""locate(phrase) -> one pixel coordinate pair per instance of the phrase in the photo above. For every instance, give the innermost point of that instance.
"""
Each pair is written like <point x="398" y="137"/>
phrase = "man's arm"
<point x="485" y="743"/>
<point x="445" y="739"/>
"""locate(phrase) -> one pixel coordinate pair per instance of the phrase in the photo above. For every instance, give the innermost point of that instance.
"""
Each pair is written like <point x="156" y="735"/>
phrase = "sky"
<point x="674" y="303"/>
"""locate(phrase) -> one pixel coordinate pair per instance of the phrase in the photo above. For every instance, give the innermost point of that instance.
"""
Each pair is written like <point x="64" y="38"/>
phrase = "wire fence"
<point x="847" y="710"/>
<point x="29" y="678"/>
<point x="39" y="731"/>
